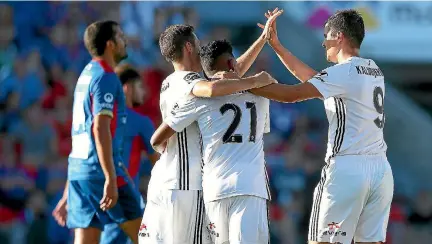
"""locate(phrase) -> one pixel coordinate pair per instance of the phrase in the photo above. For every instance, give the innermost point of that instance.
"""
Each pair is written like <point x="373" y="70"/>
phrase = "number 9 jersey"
<point x="97" y="92"/>
<point x="232" y="129"/>
<point x="353" y="95"/>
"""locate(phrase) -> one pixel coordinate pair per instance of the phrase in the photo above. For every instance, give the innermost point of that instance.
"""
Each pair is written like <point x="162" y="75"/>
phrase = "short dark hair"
<point x="97" y="34"/>
<point x="350" y="23"/>
<point x="127" y="74"/>
<point x="173" y="39"/>
<point x="212" y="51"/>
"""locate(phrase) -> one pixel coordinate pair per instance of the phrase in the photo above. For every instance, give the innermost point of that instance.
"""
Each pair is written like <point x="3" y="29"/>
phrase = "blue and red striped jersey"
<point x="139" y="129"/>
<point x="97" y="92"/>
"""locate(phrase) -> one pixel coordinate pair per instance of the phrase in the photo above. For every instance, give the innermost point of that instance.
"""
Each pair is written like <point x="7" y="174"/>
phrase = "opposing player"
<point x="174" y="211"/>
<point x="96" y="174"/>
<point x="137" y="136"/>
<point x="352" y="200"/>
<point x="235" y="183"/>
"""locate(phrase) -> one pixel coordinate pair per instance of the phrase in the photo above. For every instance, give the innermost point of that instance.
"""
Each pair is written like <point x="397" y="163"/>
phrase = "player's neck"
<point x="183" y="66"/>
<point x="109" y="59"/>
<point x="345" y="54"/>
<point x="129" y="102"/>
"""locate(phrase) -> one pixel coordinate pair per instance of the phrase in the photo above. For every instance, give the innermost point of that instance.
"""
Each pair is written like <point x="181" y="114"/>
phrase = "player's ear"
<point x="189" y="47"/>
<point x="110" y="45"/>
<point x="339" y="37"/>
<point x="126" y="88"/>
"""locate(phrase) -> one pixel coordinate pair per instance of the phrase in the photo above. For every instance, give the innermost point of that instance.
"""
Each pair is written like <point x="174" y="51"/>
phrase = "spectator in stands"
<point x="37" y="138"/>
<point x="420" y="220"/>
<point x="16" y="185"/>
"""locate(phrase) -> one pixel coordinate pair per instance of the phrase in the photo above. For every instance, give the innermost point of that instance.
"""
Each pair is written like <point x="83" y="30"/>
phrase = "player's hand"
<point x="269" y="29"/>
<point x="60" y="212"/>
<point x="226" y="75"/>
<point x="110" y="196"/>
<point x="264" y="79"/>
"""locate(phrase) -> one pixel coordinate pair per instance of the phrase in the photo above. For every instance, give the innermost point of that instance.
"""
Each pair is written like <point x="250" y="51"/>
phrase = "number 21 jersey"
<point x="232" y="129"/>
<point x="353" y="94"/>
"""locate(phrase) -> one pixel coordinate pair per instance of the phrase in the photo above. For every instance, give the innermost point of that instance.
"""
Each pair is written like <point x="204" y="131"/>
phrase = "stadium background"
<point x="41" y="55"/>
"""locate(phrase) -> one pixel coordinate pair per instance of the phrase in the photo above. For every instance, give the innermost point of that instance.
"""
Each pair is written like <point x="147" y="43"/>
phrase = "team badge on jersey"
<point x="191" y="76"/>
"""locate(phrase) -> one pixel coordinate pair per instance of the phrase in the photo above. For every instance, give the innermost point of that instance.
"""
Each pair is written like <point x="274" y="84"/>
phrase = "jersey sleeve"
<point x="184" y="113"/>
<point x="191" y="79"/>
<point x="332" y="81"/>
<point x="104" y="92"/>
<point x="146" y="131"/>
<point x="267" y="118"/>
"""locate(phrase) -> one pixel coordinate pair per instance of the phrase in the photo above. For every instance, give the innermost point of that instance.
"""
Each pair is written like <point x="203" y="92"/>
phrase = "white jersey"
<point x="232" y="129"/>
<point x="179" y="167"/>
<point x="353" y="94"/>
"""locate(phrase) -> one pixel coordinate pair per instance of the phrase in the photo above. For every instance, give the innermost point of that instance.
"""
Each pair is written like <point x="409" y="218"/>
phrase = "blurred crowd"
<point x="41" y="56"/>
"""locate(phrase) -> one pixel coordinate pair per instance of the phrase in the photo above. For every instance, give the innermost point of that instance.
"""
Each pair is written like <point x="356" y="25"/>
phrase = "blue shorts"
<point x="112" y="233"/>
<point x="84" y="208"/>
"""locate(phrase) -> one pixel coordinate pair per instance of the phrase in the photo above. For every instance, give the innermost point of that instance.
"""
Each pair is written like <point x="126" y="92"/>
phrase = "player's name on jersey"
<point x="362" y="70"/>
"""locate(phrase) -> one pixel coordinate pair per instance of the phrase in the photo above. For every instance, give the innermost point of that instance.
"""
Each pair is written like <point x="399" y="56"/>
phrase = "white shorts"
<point x="352" y="200"/>
<point x="238" y="219"/>
<point x="174" y="217"/>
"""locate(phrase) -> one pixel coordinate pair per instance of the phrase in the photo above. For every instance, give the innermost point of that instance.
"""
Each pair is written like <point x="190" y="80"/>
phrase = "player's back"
<point x="179" y="167"/>
<point x="356" y="108"/>
<point x="98" y="91"/>
<point x="232" y="131"/>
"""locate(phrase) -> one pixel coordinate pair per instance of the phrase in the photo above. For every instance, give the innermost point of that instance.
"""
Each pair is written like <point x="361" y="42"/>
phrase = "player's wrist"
<point x="263" y="37"/>
<point x="275" y="44"/>
<point x="111" y="178"/>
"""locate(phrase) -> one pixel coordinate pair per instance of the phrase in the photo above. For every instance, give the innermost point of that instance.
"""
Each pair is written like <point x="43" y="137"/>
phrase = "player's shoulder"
<point x="341" y="69"/>
<point x="183" y="77"/>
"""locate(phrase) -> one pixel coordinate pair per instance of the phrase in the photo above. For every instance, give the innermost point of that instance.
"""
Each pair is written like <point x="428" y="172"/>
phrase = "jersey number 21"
<point x="229" y="136"/>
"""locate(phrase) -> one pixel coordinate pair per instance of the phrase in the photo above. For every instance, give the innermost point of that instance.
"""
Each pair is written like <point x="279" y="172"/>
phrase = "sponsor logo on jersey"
<point x="191" y="76"/>
<point x="108" y="97"/>
<point x="164" y="87"/>
<point x="211" y="229"/>
<point x="173" y="111"/>
<point x="107" y="105"/>
<point x="143" y="231"/>
<point x="333" y="230"/>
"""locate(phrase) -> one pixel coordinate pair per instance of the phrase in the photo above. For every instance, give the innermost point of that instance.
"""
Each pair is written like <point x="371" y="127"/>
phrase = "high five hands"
<point x="269" y="29"/>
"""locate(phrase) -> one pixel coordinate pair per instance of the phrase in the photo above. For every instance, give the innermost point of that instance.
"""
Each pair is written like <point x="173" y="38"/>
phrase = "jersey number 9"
<point x="378" y="100"/>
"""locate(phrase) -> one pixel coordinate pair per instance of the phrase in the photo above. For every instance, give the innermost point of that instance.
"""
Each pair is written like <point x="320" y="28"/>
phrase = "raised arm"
<point x="245" y="61"/>
<point x="299" y="69"/>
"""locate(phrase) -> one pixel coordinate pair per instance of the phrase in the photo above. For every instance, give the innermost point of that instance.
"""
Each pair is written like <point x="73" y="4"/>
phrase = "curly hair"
<point x="211" y="52"/>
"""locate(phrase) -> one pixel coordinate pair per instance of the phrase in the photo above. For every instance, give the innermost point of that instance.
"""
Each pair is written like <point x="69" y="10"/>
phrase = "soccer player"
<point x="235" y="185"/>
<point x="352" y="200"/>
<point x="137" y="136"/>
<point x="99" y="189"/>
<point x="174" y="211"/>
